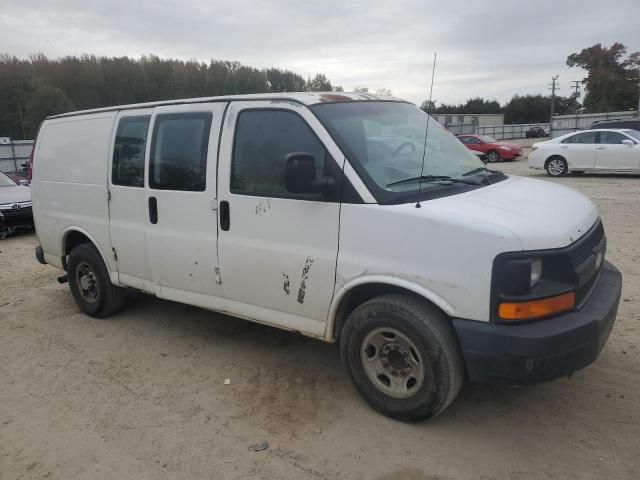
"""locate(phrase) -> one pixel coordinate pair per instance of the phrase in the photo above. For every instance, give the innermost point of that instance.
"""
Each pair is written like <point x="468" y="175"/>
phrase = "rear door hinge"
<point x="115" y="254"/>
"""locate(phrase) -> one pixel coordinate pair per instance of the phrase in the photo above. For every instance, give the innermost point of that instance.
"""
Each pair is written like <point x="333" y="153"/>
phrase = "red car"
<point x="493" y="150"/>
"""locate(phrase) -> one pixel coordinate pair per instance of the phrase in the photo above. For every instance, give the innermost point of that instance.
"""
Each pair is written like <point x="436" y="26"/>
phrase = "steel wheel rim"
<point x="87" y="282"/>
<point x="556" y="167"/>
<point x="392" y="362"/>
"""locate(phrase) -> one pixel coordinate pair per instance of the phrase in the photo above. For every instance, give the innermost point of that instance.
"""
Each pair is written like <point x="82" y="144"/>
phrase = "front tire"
<point x="402" y="356"/>
<point x="556" y="167"/>
<point x="90" y="284"/>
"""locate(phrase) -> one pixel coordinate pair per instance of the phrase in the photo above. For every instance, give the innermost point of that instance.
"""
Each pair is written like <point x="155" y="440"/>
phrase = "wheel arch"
<point x="354" y="293"/>
<point x="73" y="236"/>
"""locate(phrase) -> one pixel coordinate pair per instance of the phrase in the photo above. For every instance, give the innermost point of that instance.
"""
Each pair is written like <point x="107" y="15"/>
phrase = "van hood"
<point x="16" y="194"/>
<point x="539" y="213"/>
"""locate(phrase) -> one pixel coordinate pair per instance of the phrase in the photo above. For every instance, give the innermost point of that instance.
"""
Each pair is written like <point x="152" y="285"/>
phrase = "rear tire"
<point x="556" y="167"/>
<point x="90" y="284"/>
<point x="493" y="156"/>
<point x="402" y="356"/>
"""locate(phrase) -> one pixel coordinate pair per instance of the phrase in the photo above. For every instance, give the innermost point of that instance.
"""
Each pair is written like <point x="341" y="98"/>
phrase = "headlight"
<point x="536" y="272"/>
<point x="531" y="286"/>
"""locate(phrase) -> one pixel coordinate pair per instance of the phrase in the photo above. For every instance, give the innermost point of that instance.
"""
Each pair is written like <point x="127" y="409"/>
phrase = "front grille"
<point x="18" y="212"/>
<point x="584" y="247"/>
<point x="583" y="254"/>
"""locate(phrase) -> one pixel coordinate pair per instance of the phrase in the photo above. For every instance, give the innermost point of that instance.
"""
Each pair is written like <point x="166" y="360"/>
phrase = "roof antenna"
<point x="426" y="130"/>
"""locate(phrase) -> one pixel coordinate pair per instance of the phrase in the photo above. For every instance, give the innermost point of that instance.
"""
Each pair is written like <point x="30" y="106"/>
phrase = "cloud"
<point x="490" y="49"/>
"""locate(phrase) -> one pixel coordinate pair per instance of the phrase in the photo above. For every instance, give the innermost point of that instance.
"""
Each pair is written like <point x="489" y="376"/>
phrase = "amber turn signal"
<point x="537" y="308"/>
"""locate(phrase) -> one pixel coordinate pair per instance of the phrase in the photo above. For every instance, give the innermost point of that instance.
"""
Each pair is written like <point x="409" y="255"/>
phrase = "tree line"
<point x="33" y="88"/>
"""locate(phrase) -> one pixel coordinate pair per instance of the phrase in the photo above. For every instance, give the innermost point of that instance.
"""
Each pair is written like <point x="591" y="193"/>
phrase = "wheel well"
<point x="361" y="294"/>
<point x="72" y="240"/>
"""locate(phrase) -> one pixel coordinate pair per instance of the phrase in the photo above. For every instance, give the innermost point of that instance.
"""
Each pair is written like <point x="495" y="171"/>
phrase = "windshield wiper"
<point x="479" y="170"/>
<point x="445" y="178"/>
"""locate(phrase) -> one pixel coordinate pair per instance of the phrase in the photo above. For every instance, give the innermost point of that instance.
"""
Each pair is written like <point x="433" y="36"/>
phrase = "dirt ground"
<point x="142" y="395"/>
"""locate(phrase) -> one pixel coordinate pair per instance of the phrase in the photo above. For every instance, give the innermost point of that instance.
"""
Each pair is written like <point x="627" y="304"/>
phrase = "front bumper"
<point x="22" y="217"/>
<point x="546" y="349"/>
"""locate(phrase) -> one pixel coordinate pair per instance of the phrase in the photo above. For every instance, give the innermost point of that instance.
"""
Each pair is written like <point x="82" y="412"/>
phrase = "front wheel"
<point x="556" y="167"/>
<point x="402" y="356"/>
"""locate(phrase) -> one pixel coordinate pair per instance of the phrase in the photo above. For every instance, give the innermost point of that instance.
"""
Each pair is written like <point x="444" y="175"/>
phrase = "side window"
<point x="262" y="141"/>
<point x="586" y="137"/>
<point x="128" y="152"/>
<point x="611" y="138"/>
<point x="179" y="151"/>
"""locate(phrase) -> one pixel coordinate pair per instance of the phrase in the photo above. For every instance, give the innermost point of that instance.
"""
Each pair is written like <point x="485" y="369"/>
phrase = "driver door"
<point x="278" y="250"/>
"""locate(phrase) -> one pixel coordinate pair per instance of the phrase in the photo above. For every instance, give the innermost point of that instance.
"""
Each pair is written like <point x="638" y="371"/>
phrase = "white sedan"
<point x="615" y="150"/>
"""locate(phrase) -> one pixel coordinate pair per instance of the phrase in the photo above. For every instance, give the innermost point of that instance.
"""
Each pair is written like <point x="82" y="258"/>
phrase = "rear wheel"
<point x="402" y="356"/>
<point x="556" y="167"/>
<point x="493" y="156"/>
<point x="90" y="284"/>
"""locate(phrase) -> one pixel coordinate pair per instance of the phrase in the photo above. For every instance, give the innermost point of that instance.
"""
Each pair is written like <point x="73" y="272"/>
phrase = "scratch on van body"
<point x="306" y="271"/>
<point x="286" y="286"/>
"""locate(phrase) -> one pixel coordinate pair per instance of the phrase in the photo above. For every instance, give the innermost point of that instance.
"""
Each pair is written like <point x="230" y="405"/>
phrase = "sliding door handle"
<point x="225" y="219"/>
<point x="153" y="210"/>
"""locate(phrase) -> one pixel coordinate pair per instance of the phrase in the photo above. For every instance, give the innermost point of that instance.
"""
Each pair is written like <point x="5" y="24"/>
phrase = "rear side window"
<point x="263" y="140"/>
<point x="128" y="152"/>
<point x="612" y="138"/>
<point x="178" y="159"/>
<point x="586" y="137"/>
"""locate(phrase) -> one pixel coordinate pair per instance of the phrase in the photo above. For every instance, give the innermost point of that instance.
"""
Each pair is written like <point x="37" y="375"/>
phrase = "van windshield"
<point x="385" y="141"/>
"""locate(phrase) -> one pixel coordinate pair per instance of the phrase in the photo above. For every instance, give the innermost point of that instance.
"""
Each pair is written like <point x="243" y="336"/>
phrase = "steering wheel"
<point x="397" y="151"/>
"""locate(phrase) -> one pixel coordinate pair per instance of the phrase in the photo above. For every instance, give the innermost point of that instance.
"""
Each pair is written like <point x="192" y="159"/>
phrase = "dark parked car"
<point x="627" y="123"/>
<point x="536" y="132"/>
<point x="15" y="206"/>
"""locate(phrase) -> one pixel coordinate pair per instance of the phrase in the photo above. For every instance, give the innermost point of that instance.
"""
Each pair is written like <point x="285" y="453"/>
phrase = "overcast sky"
<point x="492" y="49"/>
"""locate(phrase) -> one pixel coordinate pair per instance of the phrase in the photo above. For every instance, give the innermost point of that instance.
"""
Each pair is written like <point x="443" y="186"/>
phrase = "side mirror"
<point x="626" y="141"/>
<point x="300" y="175"/>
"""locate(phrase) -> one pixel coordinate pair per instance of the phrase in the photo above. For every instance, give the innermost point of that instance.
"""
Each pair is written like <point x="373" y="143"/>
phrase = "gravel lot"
<point x="142" y="395"/>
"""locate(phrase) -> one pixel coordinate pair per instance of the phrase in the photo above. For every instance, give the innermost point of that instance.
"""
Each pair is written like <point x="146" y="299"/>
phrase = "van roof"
<point x="305" y="98"/>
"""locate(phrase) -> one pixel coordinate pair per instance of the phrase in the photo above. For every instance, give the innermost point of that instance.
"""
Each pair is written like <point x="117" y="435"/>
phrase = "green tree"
<point x="319" y="83"/>
<point x="612" y="77"/>
<point x="46" y="100"/>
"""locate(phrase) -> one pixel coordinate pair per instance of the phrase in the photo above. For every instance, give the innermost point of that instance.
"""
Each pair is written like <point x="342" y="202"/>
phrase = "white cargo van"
<point x="332" y="215"/>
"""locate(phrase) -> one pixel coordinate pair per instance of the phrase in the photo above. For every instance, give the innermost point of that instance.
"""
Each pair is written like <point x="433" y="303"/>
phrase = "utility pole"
<point x="576" y="85"/>
<point x="554" y="86"/>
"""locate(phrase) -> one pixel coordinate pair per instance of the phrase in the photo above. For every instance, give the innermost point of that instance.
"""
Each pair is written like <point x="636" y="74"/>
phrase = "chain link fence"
<point x="14" y="155"/>
<point x="563" y="124"/>
<point x="499" y="132"/>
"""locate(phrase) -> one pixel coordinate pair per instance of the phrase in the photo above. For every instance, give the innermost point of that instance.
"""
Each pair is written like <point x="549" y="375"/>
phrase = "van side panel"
<point x="69" y="184"/>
